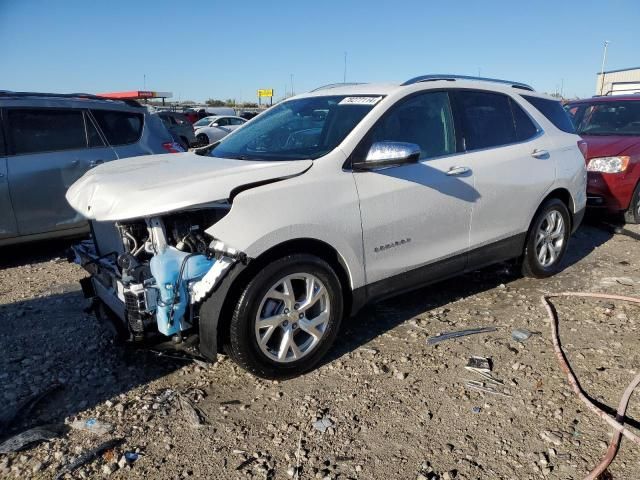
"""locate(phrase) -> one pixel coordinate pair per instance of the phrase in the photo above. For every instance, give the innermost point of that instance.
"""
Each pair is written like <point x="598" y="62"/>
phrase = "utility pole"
<point x="344" y="76"/>
<point x="604" y="59"/>
<point x="144" y="81"/>
<point x="292" y="91"/>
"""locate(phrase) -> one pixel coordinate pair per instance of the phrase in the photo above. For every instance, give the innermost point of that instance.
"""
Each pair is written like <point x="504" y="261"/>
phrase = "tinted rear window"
<point x="525" y="128"/>
<point x="554" y="112"/>
<point x="487" y="120"/>
<point x="120" y="128"/>
<point x="33" y="131"/>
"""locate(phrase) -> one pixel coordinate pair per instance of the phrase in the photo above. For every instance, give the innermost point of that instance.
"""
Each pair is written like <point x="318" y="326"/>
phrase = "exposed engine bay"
<point x="154" y="272"/>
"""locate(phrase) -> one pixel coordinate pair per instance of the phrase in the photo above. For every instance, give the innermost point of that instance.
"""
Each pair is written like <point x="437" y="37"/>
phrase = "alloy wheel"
<point x="293" y="317"/>
<point x="550" y="238"/>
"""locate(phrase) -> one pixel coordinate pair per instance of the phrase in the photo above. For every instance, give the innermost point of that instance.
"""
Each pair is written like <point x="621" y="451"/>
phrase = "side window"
<point x="486" y="119"/>
<point x="235" y="121"/>
<point x="222" y="122"/>
<point x="552" y="109"/>
<point x="424" y="119"/>
<point x="3" y="148"/>
<point x="120" y="128"/>
<point x="32" y="131"/>
<point x="93" y="137"/>
<point x="525" y="128"/>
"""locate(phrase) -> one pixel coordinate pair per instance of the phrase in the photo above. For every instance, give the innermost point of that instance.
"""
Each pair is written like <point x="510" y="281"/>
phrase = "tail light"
<point x="172" y="147"/>
<point x="582" y="145"/>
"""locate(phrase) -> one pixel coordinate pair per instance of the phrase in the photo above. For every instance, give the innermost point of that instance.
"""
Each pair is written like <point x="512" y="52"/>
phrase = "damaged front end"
<point x="154" y="273"/>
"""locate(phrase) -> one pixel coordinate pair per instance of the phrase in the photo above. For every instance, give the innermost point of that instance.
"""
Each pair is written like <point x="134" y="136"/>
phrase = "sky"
<point x="229" y="49"/>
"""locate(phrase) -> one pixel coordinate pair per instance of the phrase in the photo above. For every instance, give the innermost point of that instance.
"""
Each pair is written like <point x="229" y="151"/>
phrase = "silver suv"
<point x="327" y="201"/>
<point x="48" y="141"/>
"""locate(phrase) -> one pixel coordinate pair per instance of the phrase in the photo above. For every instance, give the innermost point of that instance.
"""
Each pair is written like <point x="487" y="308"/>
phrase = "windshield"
<point x="203" y="122"/>
<point x="606" y="118"/>
<point x="306" y="128"/>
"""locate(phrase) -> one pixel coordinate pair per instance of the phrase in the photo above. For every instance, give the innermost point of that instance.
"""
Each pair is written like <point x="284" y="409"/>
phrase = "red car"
<point x="611" y="128"/>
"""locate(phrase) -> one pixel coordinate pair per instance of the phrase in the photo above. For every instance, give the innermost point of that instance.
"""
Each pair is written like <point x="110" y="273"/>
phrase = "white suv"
<point x="262" y="242"/>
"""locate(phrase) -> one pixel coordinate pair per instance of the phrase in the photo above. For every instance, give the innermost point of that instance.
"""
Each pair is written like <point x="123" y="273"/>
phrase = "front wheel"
<point x="632" y="214"/>
<point x="287" y="317"/>
<point x="547" y="240"/>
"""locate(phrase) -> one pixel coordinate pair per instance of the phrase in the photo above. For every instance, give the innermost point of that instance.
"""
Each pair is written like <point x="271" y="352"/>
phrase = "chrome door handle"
<point x="1" y="175"/>
<point x="458" y="171"/>
<point x="537" y="153"/>
<point x="95" y="163"/>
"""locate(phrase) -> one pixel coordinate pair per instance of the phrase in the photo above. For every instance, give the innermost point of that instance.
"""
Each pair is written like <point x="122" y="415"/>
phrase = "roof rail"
<point x="88" y="96"/>
<point x="453" y="78"/>
<point x="336" y="85"/>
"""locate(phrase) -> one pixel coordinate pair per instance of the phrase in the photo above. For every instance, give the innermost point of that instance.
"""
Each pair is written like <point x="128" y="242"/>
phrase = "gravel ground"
<point x="384" y="405"/>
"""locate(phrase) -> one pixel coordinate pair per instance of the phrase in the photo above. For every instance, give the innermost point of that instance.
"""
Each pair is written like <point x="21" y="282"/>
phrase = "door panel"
<point x="416" y="214"/>
<point x="8" y="227"/>
<point x="509" y="176"/>
<point x="49" y="151"/>
<point x="511" y="183"/>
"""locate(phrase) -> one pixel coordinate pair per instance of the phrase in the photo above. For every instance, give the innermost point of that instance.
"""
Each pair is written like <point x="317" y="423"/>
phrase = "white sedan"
<point x="211" y="129"/>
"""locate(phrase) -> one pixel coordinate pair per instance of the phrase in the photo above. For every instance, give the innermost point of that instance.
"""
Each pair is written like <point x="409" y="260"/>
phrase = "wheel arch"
<point x="310" y="246"/>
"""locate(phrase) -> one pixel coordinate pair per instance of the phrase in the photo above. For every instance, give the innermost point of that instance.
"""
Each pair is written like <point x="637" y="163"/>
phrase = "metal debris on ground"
<point x="460" y="333"/>
<point x="88" y="456"/>
<point x="479" y="363"/>
<point x="191" y="413"/>
<point x="28" y="437"/>
<point x="481" y="366"/>
<point x="484" y="388"/>
<point x="323" y="424"/>
<point x="521" y="334"/>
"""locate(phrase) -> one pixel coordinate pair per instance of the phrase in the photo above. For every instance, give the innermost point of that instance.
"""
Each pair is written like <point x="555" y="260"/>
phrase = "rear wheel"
<point x="632" y="214"/>
<point x="286" y="318"/>
<point x="203" y="139"/>
<point x="547" y="240"/>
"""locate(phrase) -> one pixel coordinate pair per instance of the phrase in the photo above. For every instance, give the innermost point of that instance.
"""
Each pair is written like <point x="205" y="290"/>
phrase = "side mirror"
<point x="388" y="154"/>
<point x="214" y="125"/>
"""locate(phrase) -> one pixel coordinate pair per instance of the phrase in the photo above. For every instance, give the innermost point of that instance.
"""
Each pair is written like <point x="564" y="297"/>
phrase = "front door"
<point x="49" y="150"/>
<point x="415" y="217"/>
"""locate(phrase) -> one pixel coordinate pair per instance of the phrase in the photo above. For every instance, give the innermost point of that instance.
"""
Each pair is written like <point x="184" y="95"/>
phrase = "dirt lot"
<point x="394" y="407"/>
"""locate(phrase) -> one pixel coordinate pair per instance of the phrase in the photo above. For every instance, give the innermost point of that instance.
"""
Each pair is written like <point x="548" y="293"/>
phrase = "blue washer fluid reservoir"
<point x="165" y="268"/>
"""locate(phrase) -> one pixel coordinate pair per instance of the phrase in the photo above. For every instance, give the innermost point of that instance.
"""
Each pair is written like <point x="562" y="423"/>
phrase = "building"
<point x="618" y="82"/>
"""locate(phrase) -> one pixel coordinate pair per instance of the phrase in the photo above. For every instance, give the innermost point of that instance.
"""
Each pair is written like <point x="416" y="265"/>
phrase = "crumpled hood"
<point x="609" y="145"/>
<point x="154" y="184"/>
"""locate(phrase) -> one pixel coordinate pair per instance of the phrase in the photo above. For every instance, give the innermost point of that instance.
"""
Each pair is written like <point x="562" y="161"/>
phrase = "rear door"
<point x="49" y="149"/>
<point x="8" y="226"/>
<point x="513" y="167"/>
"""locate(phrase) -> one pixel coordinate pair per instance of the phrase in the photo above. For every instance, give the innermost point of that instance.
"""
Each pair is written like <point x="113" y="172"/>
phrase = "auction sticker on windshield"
<point x="360" y="100"/>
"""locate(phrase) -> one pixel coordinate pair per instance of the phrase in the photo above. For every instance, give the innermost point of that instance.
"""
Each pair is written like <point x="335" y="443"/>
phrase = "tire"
<point x="632" y="214"/>
<point x="203" y="139"/>
<point x="185" y="143"/>
<point x="537" y="263"/>
<point x="265" y="296"/>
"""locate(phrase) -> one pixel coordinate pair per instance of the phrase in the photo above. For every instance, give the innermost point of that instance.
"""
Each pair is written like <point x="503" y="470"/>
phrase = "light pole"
<point x="292" y="92"/>
<point x="344" y="76"/>
<point x="604" y="59"/>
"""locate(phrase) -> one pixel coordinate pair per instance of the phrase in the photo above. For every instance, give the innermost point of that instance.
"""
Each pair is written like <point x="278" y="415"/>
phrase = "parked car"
<point x="211" y="129"/>
<point x="191" y="115"/>
<point x="328" y="201"/>
<point x="51" y="140"/>
<point x="611" y="128"/>
<point x="179" y="127"/>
